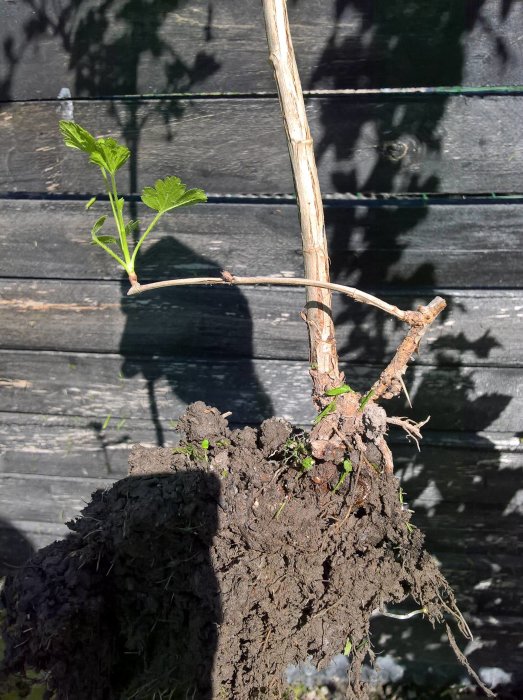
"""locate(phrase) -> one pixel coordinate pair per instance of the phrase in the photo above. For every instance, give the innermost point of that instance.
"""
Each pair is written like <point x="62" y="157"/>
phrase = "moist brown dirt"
<point x="215" y="566"/>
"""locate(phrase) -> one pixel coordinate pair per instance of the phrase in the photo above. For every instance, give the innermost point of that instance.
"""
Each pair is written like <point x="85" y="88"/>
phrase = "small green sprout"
<point x="121" y="423"/>
<point x="338" y="390"/>
<point x="106" y="421"/>
<point x="307" y="463"/>
<point x="164" y="195"/>
<point x="364" y="401"/>
<point x="348" y="647"/>
<point x="204" y="444"/>
<point x="329" y="408"/>
<point x="347" y="469"/>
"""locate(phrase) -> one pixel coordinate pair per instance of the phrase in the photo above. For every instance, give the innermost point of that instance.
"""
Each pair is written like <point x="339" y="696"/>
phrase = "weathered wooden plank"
<point x="94" y="385"/>
<point x="479" y="327"/>
<point x="75" y="447"/>
<point x="97" y="48"/>
<point x="424" y="144"/>
<point x="385" y="247"/>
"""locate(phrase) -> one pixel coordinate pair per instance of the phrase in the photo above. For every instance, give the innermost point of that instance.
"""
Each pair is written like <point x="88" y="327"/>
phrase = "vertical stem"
<point x="323" y="357"/>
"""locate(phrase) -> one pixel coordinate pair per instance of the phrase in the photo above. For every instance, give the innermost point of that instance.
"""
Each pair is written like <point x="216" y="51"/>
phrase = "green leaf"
<point x="364" y="401"/>
<point x="107" y="240"/>
<point x="109" y="154"/>
<point x="170" y="193"/>
<point x="205" y="444"/>
<point x="343" y="389"/>
<point x="98" y="225"/>
<point x="131" y="226"/>
<point x="104" y="152"/>
<point x="347" y="466"/>
<point x="330" y="408"/>
<point x="75" y="136"/>
<point x="307" y="463"/>
<point x="90" y="203"/>
<point x="348" y="647"/>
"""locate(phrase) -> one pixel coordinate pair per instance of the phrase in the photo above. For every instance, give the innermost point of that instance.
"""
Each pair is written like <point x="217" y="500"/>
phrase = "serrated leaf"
<point x="131" y="226"/>
<point x="171" y="193"/>
<point x="107" y="240"/>
<point x="90" y="203"/>
<point x="75" y="136"/>
<point x="98" y="225"/>
<point x="109" y="154"/>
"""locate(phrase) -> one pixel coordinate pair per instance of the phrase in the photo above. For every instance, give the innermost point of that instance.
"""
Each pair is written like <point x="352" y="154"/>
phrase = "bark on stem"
<point x="323" y="357"/>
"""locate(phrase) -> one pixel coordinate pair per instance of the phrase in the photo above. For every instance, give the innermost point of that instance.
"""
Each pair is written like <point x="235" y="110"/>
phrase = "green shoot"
<point x="204" y="444"/>
<point x="348" y="647"/>
<point x="329" y="408"/>
<point x="337" y="391"/>
<point x="307" y="464"/>
<point x="347" y="469"/>
<point x="106" y="421"/>
<point x="366" y="399"/>
<point x="110" y="156"/>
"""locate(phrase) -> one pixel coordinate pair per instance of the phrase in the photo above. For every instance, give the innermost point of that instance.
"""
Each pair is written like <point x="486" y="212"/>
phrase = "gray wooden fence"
<point x="416" y="111"/>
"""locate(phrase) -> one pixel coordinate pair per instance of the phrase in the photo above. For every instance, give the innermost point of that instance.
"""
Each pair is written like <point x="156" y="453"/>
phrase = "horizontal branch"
<point x="229" y="279"/>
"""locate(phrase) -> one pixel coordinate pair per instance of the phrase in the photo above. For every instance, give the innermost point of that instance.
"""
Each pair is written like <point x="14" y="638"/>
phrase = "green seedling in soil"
<point x="297" y="453"/>
<point x="166" y="194"/>
<point x="348" y="647"/>
<point x="347" y="469"/>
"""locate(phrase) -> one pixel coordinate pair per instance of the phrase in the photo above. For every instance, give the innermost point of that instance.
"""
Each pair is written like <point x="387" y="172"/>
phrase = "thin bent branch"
<point x="227" y="278"/>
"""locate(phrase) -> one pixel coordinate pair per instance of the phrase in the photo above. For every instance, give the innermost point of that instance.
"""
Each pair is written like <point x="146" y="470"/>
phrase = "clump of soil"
<point x="216" y="566"/>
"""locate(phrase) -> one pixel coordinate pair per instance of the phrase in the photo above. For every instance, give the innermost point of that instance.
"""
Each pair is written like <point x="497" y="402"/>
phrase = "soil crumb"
<point x="218" y="567"/>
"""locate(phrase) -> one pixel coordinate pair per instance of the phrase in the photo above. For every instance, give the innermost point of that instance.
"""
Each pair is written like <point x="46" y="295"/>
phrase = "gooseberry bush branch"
<point x="170" y="193"/>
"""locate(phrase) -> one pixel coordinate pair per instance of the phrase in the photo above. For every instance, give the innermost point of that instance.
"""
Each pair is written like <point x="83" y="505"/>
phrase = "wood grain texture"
<point x="424" y="144"/>
<point x="477" y="328"/>
<point x="93" y="385"/>
<point x="100" y="48"/>
<point x="386" y="247"/>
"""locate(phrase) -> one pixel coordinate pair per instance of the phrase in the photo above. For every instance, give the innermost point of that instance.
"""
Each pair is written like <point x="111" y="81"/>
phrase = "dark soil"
<point x="216" y="566"/>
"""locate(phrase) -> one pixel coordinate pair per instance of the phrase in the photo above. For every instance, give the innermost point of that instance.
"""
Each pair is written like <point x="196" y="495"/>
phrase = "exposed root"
<point x="410" y="426"/>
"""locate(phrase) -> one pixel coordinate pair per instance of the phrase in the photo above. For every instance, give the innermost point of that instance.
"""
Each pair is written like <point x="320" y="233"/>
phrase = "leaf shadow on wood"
<point x="458" y="479"/>
<point x="190" y="323"/>
<point x="107" y="44"/>
<point x="128" y="604"/>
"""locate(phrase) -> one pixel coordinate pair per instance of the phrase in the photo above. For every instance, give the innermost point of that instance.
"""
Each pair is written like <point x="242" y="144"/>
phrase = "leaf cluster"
<point x="166" y="194"/>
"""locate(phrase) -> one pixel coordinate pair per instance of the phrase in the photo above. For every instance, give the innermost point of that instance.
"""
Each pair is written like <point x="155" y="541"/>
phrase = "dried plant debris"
<point x="227" y="567"/>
